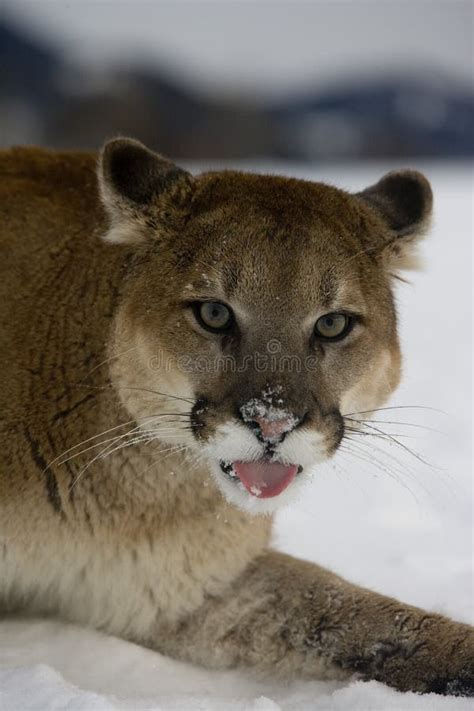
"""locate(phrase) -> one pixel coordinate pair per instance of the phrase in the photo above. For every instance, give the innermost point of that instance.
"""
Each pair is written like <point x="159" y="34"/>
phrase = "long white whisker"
<point x="403" y="446"/>
<point x="394" y="422"/>
<point x="100" y="434"/>
<point x="110" y="449"/>
<point x="394" y="407"/>
<point x="111" y="439"/>
<point x="107" y="360"/>
<point x="381" y="467"/>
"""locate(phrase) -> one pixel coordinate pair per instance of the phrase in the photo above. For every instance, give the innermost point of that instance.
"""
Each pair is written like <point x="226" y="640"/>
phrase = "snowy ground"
<point x="399" y="527"/>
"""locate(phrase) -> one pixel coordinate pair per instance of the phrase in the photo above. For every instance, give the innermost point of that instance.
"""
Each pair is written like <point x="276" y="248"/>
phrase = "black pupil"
<point x="329" y="322"/>
<point x="215" y="315"/>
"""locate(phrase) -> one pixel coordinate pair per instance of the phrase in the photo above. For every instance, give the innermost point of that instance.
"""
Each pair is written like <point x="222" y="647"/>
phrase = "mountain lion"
<point x="177" y="354"/>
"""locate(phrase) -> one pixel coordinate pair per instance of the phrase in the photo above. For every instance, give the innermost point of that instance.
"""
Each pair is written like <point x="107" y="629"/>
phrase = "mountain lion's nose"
<point x="275" y="428"/>
<point x="269" y="422"/>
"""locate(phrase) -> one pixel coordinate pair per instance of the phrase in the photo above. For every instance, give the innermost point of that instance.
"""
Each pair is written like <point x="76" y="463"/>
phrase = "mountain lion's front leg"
<point x="291" y="618"/>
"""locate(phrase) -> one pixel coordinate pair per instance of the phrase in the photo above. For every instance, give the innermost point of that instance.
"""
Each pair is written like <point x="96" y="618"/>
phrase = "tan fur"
<point x="95" y="322"/>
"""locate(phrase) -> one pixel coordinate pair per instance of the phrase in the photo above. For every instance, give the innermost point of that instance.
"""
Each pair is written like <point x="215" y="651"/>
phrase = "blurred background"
<point x="325" y="80"/>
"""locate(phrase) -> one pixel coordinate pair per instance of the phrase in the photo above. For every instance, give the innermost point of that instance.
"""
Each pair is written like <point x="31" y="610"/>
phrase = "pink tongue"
<point x="265" y="479"/>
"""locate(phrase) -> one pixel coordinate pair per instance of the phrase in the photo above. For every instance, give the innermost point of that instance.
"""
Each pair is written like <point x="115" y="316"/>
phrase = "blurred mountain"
<point x="47" y="101"/>
<point x="395" y="116"/>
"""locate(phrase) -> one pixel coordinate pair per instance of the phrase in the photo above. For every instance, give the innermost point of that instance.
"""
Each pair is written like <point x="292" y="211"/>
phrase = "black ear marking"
<point x="136" y="173"/>
<point x="139" y="188"/>
<point x="403" y="199"/>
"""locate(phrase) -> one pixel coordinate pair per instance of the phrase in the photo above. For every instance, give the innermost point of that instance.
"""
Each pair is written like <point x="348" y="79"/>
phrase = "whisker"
<point x="128" y="434"/>
<point x="146" y="437"/>
<point x="107" y="451"/>
<point x="381" y="467"/>
<point x="353" y="480"/>
<point x="403" y="446"/>
<point x="171" y="450"/>
<point x="85" y="441"/>
<point x="110" y="449"/>
<point x="395" y="422"/>
<point x="107" y="360"/>
<point x="357" y="254"/>
<point x="84" y="469"/>
<point x="396" y="407"/>
<point x="111" y="429"/>
<point x="403" y="468"/>
<point x="93" y="446"/>
<point x="384" y="435"/>
<point x="135" y="387"/>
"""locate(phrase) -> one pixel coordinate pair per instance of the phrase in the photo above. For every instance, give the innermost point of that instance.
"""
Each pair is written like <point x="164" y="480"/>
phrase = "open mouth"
<point x="261" y="478"/>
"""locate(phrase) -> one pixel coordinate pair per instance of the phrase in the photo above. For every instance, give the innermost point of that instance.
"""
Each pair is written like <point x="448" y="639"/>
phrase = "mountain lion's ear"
<point x="141" y="190"/>
<point x="404" y="200"/>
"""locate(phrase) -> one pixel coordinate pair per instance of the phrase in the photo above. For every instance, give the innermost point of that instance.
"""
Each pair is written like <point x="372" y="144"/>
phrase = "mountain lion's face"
<point x="258" y="314"/>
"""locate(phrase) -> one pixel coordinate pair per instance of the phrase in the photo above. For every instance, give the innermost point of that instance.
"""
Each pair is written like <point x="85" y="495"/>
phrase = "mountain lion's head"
<point x="258" y="313"/>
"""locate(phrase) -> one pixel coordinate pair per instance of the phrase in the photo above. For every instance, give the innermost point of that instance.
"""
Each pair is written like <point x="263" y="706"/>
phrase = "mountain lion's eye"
<point x="214" y="316"/>
<point x="333" y="327"/>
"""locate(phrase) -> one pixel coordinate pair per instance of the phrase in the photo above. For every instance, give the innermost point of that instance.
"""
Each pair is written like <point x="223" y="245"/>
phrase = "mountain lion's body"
<point x="158" y="540"/>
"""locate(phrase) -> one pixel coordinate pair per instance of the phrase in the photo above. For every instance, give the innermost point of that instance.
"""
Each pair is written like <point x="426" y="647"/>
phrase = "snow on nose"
<point x="273" y="422"/>
<point x="274" y="428"/>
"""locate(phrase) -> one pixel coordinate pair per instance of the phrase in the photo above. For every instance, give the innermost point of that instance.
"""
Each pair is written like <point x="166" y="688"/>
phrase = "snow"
<point x="267" y="415"/>
<point x="414" y="543"/>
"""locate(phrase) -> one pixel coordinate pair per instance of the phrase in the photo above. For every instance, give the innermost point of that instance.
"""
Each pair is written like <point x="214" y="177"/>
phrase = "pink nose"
<point x="274" y="428"/>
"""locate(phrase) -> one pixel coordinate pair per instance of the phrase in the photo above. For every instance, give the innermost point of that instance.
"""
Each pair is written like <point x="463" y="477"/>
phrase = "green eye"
<point x="214" y="316"/>
<point x="333" y="327"/>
